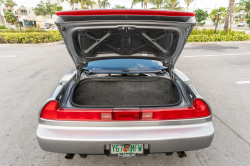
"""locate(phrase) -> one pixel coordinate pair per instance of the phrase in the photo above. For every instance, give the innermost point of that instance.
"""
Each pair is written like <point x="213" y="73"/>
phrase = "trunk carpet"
<point x="126" y="92"/>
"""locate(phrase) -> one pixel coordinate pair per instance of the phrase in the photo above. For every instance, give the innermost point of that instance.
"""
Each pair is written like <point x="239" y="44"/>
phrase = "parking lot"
<point x="29" y="74"/>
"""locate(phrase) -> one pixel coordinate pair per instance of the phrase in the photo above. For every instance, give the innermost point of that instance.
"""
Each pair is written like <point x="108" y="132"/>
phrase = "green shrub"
<point x="23" y="30"/>
<point x="3" y="27"/>
<point x="218" y="37"/>
<point x="207" y="35"/>
<point x="31" y="37"/>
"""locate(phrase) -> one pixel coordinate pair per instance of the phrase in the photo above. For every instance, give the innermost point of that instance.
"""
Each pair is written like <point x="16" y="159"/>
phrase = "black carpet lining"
<point x="126" y="92"/>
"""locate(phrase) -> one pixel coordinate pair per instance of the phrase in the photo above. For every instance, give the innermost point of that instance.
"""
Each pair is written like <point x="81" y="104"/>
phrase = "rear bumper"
<point x="92" y="140"/>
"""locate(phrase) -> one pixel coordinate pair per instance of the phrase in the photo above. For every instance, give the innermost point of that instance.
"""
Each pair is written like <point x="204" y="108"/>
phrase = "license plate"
<point x="123" y="149"/>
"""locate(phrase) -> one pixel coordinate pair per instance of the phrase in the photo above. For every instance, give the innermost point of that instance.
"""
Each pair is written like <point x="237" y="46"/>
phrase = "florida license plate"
<point x="126" y="150"/>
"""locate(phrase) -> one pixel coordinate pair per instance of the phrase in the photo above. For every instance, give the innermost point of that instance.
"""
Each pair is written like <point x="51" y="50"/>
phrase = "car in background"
<point x="125" y="97"/>
<point x="242" y="24"/>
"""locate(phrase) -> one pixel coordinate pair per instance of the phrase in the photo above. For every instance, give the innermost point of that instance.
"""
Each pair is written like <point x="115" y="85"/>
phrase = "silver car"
<point x="125" y="97"/>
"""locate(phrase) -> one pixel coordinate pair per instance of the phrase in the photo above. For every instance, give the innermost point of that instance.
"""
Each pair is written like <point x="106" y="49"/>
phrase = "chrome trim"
<point x="124" y="124"/>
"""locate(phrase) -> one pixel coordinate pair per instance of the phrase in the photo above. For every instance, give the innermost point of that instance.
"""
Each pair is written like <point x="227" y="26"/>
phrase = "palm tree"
<point x="188" y="3"/>
<point x="104" y="4"/>
<point x="229" y="13"/>
<point x="172" y="2"/>
<point x="91" y="3"/>
<point x="137" y="1"/>
<point x="244" y="5"/>
<point x="158" y="3"/>
<point x="146" y="4"/>
<point x="177" y="6"/>
<point x="119" y="7"/>
<point x="10" y="4"/>
<point x="99" y="4"/>
<point x="1" y="2"/>
<point x="87" y="3"/>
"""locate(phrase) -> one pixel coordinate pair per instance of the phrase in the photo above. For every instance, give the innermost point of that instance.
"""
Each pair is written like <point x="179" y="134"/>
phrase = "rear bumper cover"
<point x="92" y="140"/>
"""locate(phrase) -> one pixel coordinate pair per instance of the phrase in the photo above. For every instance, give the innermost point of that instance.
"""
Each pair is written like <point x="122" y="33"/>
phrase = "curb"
<point x="223" y="42"/>
<point x="37" y="44"/>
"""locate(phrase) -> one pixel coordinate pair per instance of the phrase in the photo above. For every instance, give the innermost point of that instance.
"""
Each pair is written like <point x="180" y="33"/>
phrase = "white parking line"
<point x="215" y="55"/>
<point x="243" y="82"/>
<point x="11" y="56"/>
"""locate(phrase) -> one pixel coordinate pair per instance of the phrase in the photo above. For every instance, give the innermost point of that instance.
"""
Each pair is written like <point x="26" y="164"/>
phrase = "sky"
<point x="200" y="3"/>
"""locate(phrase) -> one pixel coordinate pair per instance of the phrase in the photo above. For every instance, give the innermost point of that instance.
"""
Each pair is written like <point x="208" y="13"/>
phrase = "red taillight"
<point x="199" y="109"/>
<point x="52" y="111"/>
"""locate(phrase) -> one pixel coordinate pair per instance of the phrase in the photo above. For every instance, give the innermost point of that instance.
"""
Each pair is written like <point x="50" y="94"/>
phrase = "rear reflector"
<point x="126" y="12"/>
<point x="52" y="111"/>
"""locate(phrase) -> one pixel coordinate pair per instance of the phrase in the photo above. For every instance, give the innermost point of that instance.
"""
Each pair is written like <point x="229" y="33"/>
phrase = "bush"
<point x="23" y="30"/>
<point x="3" y="27"/>
<point x="211" y="38"/>
<point x="207" y="35"/>
<point x="32" y="37"/>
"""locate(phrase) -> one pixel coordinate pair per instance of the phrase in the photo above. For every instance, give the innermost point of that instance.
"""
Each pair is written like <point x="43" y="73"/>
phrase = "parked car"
<point x="125" y="97"/>
<point x="242" y="24"/>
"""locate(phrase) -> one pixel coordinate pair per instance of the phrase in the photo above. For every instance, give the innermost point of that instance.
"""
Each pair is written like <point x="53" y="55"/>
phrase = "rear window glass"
<point x="125" y="64"/>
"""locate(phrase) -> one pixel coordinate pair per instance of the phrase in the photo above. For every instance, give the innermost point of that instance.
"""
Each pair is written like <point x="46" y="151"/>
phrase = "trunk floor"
<point x="126" y="92"/>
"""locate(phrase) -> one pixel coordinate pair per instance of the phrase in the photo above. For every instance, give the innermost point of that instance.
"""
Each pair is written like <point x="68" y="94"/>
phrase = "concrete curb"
<point x="37" y="44"/>
<point x="223" y="42"/>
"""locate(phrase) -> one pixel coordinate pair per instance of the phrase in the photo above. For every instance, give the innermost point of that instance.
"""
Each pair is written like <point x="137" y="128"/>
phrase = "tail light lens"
<point x="52" y="111"/>
<point x="199" y="109"/>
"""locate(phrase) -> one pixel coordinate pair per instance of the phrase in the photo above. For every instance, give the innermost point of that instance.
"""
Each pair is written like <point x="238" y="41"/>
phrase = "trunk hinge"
<point x="170" y="69"/>
<point x="79" y="68"/>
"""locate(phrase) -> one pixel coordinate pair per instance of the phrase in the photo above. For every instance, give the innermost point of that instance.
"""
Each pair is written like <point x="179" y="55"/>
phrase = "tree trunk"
<point x="2" y="21"/>
<point x="229" y="13"/>
<point x="82" y="5"/>
<point x="244" y="15"/>
<point x="58" y="3"/>
<point x="172" y="5"/>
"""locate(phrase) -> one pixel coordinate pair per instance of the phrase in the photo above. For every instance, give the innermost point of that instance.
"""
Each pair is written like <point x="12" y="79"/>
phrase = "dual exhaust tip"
<point x="70" y="156"/>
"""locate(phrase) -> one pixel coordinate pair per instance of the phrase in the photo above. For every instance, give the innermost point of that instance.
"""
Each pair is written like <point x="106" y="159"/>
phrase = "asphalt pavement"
<point x="29" y="74"/>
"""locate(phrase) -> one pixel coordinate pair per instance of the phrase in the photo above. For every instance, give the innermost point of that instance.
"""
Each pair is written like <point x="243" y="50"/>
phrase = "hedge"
<point x="41" y="36"/>
<point x="211" y="38"/>
<point x="32" y="37"/>
<point x="207" y="35"/>
<point x="23" y="30"/>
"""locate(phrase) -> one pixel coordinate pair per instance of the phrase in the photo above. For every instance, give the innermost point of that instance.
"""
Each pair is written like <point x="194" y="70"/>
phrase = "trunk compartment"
<point x="125" y="92"/>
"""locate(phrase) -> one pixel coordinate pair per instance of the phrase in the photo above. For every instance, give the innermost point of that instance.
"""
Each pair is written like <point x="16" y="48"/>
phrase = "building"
<point x="26" y="13"/>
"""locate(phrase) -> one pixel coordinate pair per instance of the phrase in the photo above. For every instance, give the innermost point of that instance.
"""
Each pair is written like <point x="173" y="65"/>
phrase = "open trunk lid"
<point x="91" y="35"/>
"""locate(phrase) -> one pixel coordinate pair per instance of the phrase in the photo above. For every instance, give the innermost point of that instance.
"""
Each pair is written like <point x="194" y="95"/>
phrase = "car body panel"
<point x="92" y="140"/>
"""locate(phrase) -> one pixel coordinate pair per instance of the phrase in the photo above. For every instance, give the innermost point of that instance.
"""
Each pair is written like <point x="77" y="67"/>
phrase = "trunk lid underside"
<point x="140" y="36"/>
